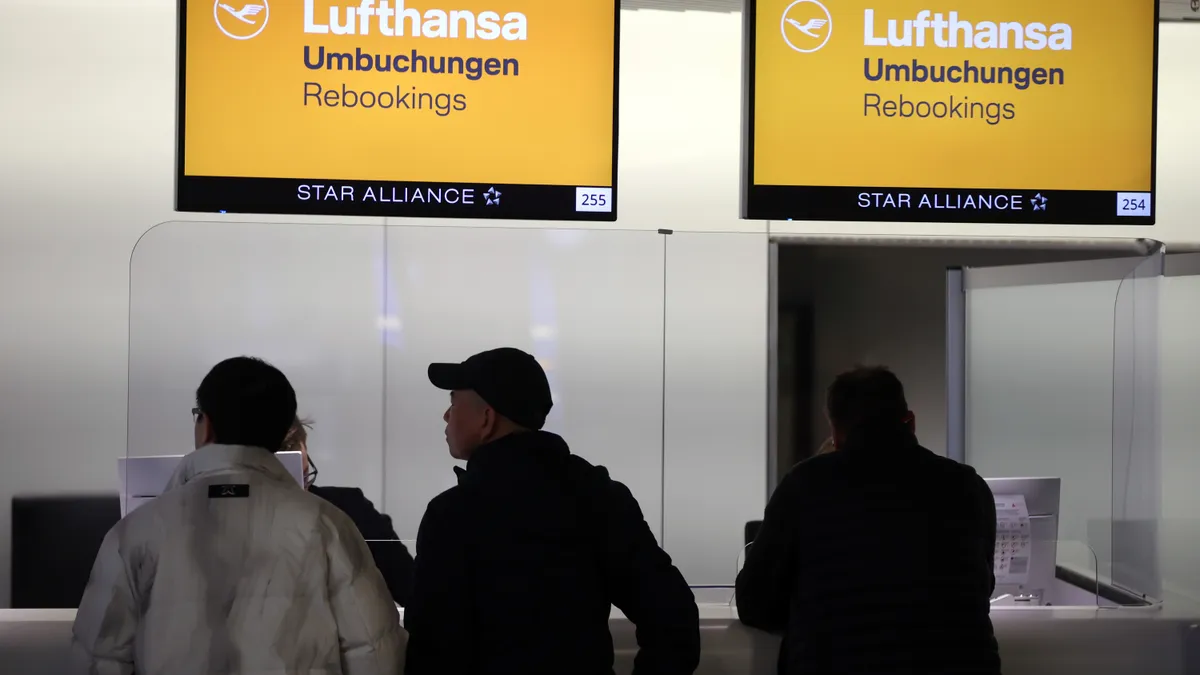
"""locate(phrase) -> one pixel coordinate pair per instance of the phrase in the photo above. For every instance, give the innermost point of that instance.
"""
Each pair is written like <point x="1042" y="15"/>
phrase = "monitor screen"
<point x="471" y="109"/>
<point x="1021" y="111"/>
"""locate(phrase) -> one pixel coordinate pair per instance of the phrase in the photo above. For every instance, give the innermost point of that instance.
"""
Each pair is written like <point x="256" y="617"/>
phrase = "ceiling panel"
<point x="1175" y="10"/>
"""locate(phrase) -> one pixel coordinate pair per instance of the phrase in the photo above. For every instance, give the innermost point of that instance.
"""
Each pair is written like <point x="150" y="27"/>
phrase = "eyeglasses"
<point x="311" y="476"/>
<point x="197" y="415"/>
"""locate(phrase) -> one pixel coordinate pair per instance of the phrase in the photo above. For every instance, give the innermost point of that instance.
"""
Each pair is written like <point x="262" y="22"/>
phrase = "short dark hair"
<point x="868" y="402"/>
<point x="248" y="402"/>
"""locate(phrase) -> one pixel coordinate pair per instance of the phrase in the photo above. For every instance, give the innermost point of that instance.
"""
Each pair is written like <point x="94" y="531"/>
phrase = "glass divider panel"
<point x="1039" y="362"/>
<point x="587" y="303"/>
<point x="1136" y="461"/>
<point x="304" y="297"/>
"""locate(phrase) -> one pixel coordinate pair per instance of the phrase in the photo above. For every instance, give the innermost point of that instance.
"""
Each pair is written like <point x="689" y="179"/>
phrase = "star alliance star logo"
<point x="492" y="196"/>
<point x="1039" y="202"/>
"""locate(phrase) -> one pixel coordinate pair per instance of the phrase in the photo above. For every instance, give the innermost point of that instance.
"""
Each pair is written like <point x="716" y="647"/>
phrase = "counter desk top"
<point x="1033" y="641"/>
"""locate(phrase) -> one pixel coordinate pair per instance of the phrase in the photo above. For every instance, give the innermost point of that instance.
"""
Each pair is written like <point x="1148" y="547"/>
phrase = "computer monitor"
<point x="141" y="479"/>
<point x="1026" y="534"/>
<point x="54" y="543"/>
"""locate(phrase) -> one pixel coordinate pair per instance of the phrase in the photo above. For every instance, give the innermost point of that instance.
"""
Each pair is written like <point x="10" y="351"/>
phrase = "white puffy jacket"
<point x="236" y="570"/>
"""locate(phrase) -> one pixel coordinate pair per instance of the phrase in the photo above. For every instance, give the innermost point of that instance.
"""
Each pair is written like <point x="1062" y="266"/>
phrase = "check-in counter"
<point x="1033" y="641"/>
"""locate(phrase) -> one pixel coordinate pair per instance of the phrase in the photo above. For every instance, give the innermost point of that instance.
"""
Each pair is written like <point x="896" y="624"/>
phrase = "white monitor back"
<point x="143" y="478"/>
<point x="1040" y="499"/>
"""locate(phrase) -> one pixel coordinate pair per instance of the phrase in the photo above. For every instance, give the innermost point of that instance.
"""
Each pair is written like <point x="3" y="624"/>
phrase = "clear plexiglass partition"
<point x="1136" y="438"/>
<point x="1062" y="381"/>
<point x="656" y="361"/>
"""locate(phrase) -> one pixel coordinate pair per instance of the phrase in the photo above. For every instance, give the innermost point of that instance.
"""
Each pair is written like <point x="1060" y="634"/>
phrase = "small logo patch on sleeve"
<point x="228" y="491"/>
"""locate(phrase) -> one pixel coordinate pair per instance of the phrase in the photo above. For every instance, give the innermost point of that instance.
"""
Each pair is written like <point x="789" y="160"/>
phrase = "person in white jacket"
<point x="236" y="569"/>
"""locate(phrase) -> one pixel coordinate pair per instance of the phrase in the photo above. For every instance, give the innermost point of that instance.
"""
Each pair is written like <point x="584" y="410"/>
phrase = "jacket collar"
<point x="886" y="444"/>
<point x="218" y="459"/>
<point x="513" y="450"/>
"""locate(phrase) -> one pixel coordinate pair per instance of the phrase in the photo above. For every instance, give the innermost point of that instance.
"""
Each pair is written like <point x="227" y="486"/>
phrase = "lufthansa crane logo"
<point x="806" y="26"/>
<point x="241" y="21"/>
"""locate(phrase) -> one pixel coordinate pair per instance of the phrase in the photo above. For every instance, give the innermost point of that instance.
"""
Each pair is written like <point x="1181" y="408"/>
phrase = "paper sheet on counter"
<point x="1014" y="541"/>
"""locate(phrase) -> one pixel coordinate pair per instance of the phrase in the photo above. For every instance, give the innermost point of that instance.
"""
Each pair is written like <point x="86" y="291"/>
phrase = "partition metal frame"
<point x="1186" y="265"/>
<point x="956" y="365"/>
<point x="773" y="468"/>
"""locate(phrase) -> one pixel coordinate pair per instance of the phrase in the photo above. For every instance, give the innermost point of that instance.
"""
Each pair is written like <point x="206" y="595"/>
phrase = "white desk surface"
<point x="1033" y="641"/>
<point x="723" y="612"/>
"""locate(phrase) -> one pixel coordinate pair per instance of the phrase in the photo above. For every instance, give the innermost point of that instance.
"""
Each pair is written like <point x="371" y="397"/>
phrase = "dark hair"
<point x="248" y="402"/>
<point x="867" y="404"/>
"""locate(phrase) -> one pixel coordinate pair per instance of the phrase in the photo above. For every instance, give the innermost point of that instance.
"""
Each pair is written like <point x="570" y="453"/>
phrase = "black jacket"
<point x="519" y="565"/>
<point x="876" y="561"/>
<point x="391" y="557"/>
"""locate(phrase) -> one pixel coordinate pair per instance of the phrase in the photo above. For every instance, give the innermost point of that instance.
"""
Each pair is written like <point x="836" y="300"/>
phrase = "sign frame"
<point x="277" y="196"/>
<point x="837" y="203"/>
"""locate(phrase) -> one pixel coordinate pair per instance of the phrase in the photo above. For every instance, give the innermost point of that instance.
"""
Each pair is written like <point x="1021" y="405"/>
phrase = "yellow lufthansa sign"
<point x="514" y="92"/>
<point x="1022" y="94"/>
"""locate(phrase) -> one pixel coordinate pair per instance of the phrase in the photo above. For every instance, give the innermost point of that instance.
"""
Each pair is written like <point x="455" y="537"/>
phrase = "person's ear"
<point x="204" y="432"/>
<point x="836" y="438"/>
<point x="489" y="421"/>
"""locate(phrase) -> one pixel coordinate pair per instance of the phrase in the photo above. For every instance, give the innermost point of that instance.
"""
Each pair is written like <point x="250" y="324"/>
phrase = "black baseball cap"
<point x="511" y="381"/>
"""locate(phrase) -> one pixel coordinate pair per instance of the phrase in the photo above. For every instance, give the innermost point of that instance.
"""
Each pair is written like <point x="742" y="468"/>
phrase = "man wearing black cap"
<point x="519" y="565"/>
<point x="876" y="557"/>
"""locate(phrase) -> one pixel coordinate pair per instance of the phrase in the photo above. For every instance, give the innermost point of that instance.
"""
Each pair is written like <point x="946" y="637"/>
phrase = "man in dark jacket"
<point x="875" y="558"/>
<point x="518" y="567"/>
